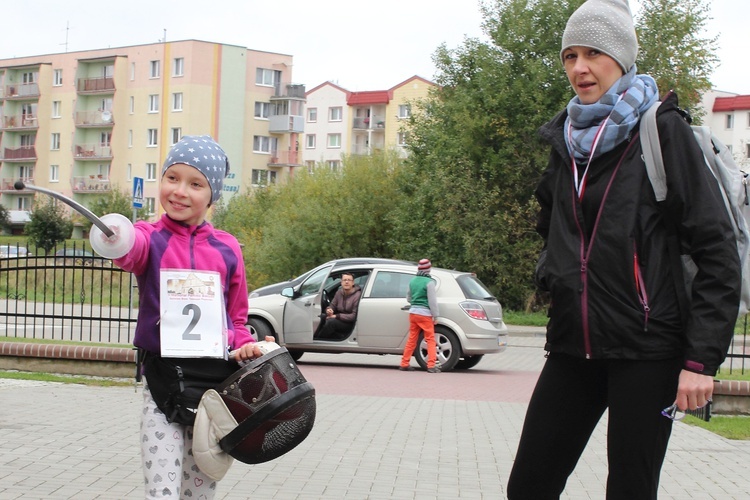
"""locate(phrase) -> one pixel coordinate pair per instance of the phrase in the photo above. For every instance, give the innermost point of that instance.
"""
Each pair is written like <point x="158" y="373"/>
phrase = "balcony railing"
<point x="8" y="185"/>
<point x="90" y="184"/>
<point x="373" y="123"/>
<point x="284" y="158"/>
<point x="22" y="153"/>
<point x="19" y="122"/>
<point x="289" y="90"/>
<point x="86" y="119"/>
<point x="94" y="85"/>
<point x="21" y="90"/>
<point x="284" y="124"/>
<point x="92" y="151"/>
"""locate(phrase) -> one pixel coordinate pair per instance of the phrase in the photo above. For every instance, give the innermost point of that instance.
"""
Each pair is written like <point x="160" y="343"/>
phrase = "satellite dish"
<point x="106" y="116"/>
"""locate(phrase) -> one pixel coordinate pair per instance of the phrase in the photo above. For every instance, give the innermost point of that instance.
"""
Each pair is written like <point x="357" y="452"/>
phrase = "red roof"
<point x="368" y="97"/>
<point x="732" y="103"/>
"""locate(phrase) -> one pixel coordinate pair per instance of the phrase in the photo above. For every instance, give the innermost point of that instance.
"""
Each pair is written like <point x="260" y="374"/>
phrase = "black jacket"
<point x="613" y="289"/>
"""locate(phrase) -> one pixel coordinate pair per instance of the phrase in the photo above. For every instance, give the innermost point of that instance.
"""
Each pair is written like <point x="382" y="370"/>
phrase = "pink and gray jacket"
<point x="168" y="244"/>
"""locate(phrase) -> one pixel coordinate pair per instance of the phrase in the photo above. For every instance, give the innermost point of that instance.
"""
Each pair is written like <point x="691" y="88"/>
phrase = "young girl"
<point x="617" y="339"/>
<point x="182" y="240"/>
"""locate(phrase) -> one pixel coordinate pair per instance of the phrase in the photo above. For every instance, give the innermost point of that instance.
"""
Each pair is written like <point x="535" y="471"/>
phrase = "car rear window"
<point x="473" y="288"/>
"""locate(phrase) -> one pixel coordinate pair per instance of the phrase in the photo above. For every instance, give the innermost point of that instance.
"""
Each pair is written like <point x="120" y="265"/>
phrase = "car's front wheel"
<point x="448" y="349"/>
<point x="260" y="329"/>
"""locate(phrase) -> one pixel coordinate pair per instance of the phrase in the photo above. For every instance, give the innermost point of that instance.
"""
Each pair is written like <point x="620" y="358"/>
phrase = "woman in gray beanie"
<point x="620" y="337"/>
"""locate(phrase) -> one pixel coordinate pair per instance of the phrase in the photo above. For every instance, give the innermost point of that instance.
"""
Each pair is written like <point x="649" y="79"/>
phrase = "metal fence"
<point x="71" y="294"/>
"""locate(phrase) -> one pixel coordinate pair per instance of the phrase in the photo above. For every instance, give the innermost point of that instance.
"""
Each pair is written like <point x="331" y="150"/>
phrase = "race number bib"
<point x="193" y="321"/>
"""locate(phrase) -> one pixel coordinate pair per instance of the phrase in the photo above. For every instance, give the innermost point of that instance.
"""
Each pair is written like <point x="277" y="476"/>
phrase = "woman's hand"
<point x="249" y="351"/>
<point x="694" y="390"/>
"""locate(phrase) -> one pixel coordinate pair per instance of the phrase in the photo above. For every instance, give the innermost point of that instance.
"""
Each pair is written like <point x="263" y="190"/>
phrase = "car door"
<point x="302" y="312"/>
<point x="382" y="322"/>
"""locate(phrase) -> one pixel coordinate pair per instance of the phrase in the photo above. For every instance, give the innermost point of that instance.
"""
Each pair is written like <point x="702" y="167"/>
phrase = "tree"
<point x="288" y="229"/>
<point x="4" y="217"/>
<point x="49" y="225"/>
<point x="672" y="49"/>
<point x="116" y="201"/>
<point x="475" y="156"/>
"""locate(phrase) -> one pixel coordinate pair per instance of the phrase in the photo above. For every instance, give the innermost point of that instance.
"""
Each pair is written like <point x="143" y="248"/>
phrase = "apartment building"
<point x="85" y="123"/>
<point x="728" y="115"/>
<point x="340" y="122"/>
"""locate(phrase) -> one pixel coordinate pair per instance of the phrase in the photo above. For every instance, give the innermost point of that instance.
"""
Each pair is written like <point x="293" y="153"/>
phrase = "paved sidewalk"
<point x="63" y="441"/>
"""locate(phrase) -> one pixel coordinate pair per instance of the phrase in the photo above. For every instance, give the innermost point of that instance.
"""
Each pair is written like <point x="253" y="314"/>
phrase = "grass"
<point x="65" y="379"/>
<point x="729" y="426"/>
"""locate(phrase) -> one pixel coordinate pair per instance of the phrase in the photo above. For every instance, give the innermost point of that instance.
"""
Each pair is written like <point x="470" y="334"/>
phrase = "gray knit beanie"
<point x="604" y="25"/>
<point x="203" y="153"/>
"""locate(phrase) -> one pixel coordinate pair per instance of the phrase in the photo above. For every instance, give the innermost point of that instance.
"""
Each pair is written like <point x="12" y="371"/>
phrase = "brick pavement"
<point x="370" y="441"/>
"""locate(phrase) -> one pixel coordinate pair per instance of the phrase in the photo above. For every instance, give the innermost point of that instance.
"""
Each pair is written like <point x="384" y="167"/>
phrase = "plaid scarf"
<point x="623" y="104"/>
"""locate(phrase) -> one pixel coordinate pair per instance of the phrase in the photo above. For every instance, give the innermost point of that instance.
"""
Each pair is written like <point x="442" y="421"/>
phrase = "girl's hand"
<point x="249" y="351"/>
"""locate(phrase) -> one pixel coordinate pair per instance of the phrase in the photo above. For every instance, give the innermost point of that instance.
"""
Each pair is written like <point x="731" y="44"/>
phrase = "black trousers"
<point x="569" y="400"/>
<point x="335" y="329"/>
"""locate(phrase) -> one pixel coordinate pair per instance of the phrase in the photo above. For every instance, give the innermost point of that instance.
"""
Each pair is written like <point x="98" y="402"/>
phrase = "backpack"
<point x="732" y="184"/>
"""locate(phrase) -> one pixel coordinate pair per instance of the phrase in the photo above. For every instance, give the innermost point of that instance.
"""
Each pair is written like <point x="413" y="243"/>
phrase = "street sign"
<point x="137" y="192"/>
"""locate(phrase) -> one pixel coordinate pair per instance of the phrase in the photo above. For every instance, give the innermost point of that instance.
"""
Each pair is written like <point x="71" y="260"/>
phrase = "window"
<point x="310" y="165"/>
<point x="262" y="109"/>
<point x="55" y="142"/>
<point x="268" y="77"/>
<point x="153" y="137"/>
<point x="178" y="66"/>
<point x="132" y="72"/>
<point x="334" y="140"/>
<point x="105" y="139"/>
<point x="155" y="69"/>
<point x="310" y="141"/>
<point x="150" y="171"/>
<point x="129" y="171"/>
<point x="261" y="144"/>
<point x="150" y="205"/>
<point x="54" y="173"/>
<point x="312" y="115"/>
<point x="177" y="101"/>
<point x="403" y="138"/>
<point x="132" y="104"/>
<point x="23" y="203"/>
<point x="56" y="109"/>
<point x="153" y="103"/>
<point x="390" y="285"/>
<point x="263" y="177"/>
<point x="57" y="80"/>
<point x="333" y="164"/>
<point x="28" y="77"/>
<point x="730" y="121"/>
<point x="404" y="110"/>
<point x="334" y="114"/>
<point x="176" y="135"/>
<point x="130" y="138"/>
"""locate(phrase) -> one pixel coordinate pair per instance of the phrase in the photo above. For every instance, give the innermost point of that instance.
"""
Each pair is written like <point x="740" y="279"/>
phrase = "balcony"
<point x="20" y="122"/>
<point x="21" y="91"/>
<point x="288" y="91"/>
<point x="93" y="152"/>
<point x="94" y="119"/>
<point x="8" y="185"/>
<point x="286" y="124"/>
<point x="90" y="184"/>
<point x="101" y="85"/>
<point x="285" y="159"/>
<point x="24" y="153"/>
<point x="374" y="123"/>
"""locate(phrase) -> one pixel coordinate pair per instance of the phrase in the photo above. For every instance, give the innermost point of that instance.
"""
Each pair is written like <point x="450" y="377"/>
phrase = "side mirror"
<point x="288" y="292"/>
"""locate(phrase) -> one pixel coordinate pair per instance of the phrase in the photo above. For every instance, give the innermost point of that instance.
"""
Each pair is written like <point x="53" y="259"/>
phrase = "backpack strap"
<point x="652" y="152"/>
<point x="651" y="146"/>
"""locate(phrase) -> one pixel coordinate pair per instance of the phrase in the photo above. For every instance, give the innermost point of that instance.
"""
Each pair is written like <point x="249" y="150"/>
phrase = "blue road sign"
<point x="137" y="192"/>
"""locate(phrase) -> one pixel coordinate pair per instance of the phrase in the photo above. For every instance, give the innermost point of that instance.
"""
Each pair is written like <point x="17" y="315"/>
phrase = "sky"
<point x="359" y="46"/>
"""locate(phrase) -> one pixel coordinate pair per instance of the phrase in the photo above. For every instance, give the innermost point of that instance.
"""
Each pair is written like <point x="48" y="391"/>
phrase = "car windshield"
<point x="473" y="288"/>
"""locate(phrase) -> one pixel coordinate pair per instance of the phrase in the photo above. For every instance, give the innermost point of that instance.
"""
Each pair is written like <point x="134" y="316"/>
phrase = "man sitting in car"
<point x="342" y="311"/>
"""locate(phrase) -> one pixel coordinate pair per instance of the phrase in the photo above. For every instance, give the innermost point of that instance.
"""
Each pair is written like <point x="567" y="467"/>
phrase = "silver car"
<point x="470" y="324"/>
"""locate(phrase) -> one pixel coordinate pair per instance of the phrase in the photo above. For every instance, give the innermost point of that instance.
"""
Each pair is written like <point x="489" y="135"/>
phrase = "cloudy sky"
<point x="360" y="46"/>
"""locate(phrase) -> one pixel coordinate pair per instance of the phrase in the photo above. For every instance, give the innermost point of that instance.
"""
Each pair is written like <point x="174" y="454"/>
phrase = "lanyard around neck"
<point x="580" y="184"/>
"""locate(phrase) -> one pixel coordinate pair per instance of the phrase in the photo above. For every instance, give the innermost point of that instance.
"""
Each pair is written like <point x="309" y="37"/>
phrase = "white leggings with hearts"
<point x="169" y="468"/>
